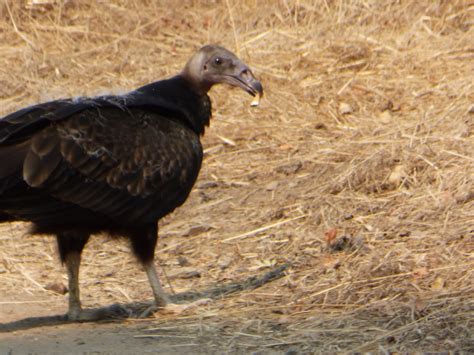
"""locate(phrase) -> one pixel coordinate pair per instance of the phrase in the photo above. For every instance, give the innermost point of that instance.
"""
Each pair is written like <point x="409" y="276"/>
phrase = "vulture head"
<point x="215" y="65"/>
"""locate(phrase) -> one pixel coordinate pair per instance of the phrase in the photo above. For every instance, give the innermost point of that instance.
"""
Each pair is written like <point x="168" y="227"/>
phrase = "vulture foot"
<point x="180" y="308"/>
<point x="175" y="308"/>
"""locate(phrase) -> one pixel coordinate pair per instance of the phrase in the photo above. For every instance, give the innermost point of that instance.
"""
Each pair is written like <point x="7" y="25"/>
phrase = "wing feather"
<point x="42" y="158"/>
<point x="125" y="166"/>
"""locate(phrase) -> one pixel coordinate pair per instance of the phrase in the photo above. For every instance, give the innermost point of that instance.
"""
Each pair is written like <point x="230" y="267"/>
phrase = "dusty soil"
<point x="106" y="338"/>
<point x="356" y="170"/>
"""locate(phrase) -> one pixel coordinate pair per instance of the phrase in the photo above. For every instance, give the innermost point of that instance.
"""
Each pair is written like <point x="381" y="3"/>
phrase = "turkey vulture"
<point x="114" y="164"/>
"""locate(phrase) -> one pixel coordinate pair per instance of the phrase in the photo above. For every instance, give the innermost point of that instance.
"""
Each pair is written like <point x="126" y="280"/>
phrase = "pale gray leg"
<point x="70" y="247"/>
<point x="143" y="244"/>
<point x="73" y="261"/>
<point x="161" y="299"/>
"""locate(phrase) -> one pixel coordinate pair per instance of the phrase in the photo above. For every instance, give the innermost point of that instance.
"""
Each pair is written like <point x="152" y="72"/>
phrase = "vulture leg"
<point x="144" y="247"/>
<point x="161" y="299"/>
<point x="70" y="245"/>
<point x="70" y="248"/>
<point x="143" y="244"/>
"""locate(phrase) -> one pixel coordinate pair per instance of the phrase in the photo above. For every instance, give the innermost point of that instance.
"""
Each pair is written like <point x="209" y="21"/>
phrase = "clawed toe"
<point x="181" y="308"/>
<point x="149" y="311"/>
<point x="174" y="308"/>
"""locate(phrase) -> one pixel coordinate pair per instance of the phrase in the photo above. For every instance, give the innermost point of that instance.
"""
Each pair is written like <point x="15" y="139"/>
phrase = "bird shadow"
<point x="117" y="312"/>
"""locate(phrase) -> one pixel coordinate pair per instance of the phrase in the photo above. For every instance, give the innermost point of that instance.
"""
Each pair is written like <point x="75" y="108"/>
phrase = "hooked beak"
<point x="245" y="79"/>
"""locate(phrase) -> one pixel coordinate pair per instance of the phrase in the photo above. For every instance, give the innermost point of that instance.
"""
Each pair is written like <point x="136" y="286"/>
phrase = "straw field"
<point x="357" y="169"/>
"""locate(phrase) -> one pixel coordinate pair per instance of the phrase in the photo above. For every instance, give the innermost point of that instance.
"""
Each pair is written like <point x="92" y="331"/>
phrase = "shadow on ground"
<point x="140" y="309"/>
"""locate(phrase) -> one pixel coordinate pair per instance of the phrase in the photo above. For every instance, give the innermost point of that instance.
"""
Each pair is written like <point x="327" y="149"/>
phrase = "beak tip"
<point x="258" y="93"/>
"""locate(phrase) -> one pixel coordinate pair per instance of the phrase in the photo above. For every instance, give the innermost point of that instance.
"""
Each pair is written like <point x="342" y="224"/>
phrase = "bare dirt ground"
<point x="357" y="170"/>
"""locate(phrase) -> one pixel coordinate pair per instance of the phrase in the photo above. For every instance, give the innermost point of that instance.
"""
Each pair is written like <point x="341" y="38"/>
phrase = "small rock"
<point x="291" y="168"/>
<point x="359" y="241"/>
<point x="204" y="197"/>
<point x="207" y="185"/>
<point x="341" y="243"/>
<point x="184" y="273"/>
<point x="79" y="341"/>
<point x="195" y="230"/>
<point x="190" y="274"/>
<point x="271" y="186"/>
<point x="463" y="197"/>
<point x="252" y="176"/>
<point x="224" y="262"/>
<point x="398" y="173"/>
<point x="57" y="287"/>
<point x="345" y="108"/>
<point x="182" y="261"/>
<point x="385" y="117"/>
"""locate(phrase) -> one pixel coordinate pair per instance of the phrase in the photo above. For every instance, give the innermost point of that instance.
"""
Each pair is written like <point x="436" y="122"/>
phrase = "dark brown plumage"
<point x="118" y="164"/>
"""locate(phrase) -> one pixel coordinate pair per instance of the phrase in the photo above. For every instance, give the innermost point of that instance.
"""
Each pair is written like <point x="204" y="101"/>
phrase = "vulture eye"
<point x="218" y="60"/>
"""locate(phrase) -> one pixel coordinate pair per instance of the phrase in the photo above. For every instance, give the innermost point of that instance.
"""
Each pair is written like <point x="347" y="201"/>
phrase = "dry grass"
<point x="366" y="130"/>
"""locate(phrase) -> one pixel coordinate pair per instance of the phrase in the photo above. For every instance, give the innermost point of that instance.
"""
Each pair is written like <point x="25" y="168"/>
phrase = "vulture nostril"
<point x="245" y="73"/>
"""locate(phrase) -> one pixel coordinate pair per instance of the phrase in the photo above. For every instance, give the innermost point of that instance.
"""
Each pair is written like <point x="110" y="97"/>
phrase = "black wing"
<point x="130" y="164"/>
